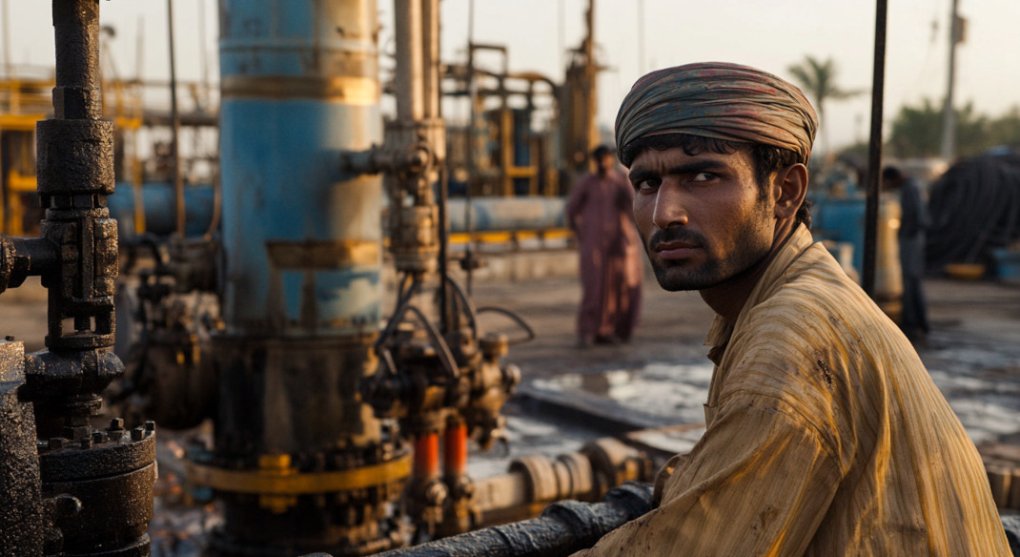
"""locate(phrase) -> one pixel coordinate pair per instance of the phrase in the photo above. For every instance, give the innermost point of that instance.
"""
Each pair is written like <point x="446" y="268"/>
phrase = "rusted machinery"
<point x="334" y="430"/>
<point x="70" y="486"/>
<point x="315" y="407"/>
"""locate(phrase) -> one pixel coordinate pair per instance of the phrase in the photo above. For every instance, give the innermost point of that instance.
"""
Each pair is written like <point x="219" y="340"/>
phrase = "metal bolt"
<point x="137" y="434"/>
<point x="150" y="425"/>
<point x="66" y="506"/>
<point x="98" y="437"/>
<point x="116" y="424"/>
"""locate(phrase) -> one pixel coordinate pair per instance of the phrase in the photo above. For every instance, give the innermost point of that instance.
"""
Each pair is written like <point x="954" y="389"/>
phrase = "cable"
<point x="443" y="349"/>
<point x="514" y="317"/>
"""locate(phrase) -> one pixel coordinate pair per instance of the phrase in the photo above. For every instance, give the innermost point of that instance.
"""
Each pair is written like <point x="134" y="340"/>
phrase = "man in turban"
<point x="599" y="213"/>
<point x="824" y="432"/>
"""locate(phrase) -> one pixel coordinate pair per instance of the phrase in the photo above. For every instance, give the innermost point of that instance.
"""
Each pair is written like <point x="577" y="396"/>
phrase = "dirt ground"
<point x="972" y="316"/>
<point x="976" y="326"/>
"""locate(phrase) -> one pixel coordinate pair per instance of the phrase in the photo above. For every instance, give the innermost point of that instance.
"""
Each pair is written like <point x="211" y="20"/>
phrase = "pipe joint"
<point x="21" y="258"/>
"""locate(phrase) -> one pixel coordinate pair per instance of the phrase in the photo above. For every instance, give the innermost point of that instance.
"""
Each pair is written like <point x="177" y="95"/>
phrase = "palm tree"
<point x="818" y="78"/>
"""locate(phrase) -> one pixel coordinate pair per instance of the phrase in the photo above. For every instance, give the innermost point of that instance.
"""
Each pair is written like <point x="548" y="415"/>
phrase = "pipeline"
<point x="563" y="528"/>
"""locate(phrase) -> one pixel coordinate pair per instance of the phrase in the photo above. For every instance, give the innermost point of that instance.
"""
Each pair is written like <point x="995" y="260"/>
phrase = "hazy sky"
<point x="770" y="34"/>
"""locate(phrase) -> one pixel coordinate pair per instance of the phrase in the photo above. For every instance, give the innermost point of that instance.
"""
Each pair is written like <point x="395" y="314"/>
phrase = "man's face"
<point x="701" y="217"/>
<point x="604" y="163"/>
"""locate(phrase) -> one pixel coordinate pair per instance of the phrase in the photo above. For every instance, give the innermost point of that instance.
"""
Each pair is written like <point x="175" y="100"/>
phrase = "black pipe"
<point x="76" y="95"/>
<point x="175" y="123"/>
<point x="562" y="529"/>
<point x="444" y="240"/>
<point x="874" y="151"/>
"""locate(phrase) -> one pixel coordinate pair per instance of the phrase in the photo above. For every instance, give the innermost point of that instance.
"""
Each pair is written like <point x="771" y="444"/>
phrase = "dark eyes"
<point x="648" y="184"/>
<point x="652" y="184"/>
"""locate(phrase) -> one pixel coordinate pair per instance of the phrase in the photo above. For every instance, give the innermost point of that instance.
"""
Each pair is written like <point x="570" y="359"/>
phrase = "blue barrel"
<point x="159" y="211"/>
<point x="508" y="213"/>
<point x="303" y="241"/>
<point x="841" y="219"/>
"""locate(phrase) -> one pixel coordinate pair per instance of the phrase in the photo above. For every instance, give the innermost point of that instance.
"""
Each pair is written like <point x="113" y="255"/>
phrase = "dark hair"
<point x="601" y="151"/>
<point x="892" y="174"/>
<point x="767" y="159"/>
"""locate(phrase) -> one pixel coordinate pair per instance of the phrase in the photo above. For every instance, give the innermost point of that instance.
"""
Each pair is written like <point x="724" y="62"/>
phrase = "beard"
<point x="752" y="244"/>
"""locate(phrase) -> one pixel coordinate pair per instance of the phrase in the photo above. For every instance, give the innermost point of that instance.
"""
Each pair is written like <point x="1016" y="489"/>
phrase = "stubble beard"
<point x="752" y="246"/>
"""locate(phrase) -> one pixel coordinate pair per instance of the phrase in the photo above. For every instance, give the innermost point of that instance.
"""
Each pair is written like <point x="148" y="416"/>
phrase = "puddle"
<point x="986" y="400"/>
<point x="672" y="393"/>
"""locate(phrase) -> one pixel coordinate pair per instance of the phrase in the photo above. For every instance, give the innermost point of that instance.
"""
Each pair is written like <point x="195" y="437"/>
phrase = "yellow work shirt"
<point x="825" y="436"/>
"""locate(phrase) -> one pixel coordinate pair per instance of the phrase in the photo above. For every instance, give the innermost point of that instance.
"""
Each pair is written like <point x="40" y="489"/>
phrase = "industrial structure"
<point x="337" y="426"/>
<point x="71" y="487"/>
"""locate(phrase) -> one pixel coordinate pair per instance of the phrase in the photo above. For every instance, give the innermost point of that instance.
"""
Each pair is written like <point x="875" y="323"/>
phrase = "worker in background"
<point x="913" y="221"/>
<point x="599" y="213"/>
<point x="825" y="435"/>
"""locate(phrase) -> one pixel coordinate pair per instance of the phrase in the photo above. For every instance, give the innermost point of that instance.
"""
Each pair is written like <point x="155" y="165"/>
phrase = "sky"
<point x="771" y="35"/>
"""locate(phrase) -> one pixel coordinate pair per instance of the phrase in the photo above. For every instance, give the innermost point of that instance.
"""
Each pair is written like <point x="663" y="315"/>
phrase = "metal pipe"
<point x="591" y="75"/>
<point x="430" y="57"/>
<point x="455" y="450"/>
<point x="444" y="240"/>
<point x="472" y="86"/>
<point x="562" y="529"/>
<point x="409" y="78"/>
<point x="874" y="151"/>
<point x="76" y="95"/>
<point x="948" y="112"/>
<point x="175" y="126"/>
<point x="7" y="42"/>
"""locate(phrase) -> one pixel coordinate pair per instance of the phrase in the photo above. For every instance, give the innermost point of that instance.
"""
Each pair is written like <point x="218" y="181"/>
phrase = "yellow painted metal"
<point x="334" y="254"/>
<point x="347" y="89"/>
<point x="17" y="184"/>
<point x="20" y="182"/>
<point x="20" y="122"/>
<point x="510" y="236"/>
<point x="279" y="478"/>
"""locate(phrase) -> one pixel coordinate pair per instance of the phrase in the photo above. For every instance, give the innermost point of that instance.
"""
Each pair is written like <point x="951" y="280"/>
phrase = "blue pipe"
<point x="303" y="241"/>
<point x="158" y="204"/>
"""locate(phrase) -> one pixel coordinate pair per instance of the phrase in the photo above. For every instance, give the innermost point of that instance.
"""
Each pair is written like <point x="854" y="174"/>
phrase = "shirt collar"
<point x="721" y="330"/>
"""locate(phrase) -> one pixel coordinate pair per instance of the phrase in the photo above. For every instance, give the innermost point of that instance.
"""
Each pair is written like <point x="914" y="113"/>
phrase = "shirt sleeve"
<point x="758" y="483"/>
<point x="575" y="204"/>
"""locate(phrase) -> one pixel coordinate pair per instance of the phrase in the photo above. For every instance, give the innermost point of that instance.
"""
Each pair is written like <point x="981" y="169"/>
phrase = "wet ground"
<point x="570" y="395"/>
<point x="662" y="376"/>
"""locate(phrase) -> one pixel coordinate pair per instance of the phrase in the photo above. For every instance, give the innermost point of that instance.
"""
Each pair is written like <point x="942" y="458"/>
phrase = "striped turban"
<point x="720" y="101"/>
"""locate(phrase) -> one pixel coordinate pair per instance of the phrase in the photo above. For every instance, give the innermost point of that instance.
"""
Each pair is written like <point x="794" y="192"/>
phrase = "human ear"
<point x="790" y="189"/>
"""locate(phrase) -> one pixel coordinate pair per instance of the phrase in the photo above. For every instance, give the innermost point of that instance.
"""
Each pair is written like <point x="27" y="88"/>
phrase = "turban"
<point x="717" y="100"/>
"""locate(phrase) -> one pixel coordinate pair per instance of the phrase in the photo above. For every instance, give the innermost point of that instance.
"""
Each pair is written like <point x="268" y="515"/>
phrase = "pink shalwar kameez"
<point x="599" y="212"/>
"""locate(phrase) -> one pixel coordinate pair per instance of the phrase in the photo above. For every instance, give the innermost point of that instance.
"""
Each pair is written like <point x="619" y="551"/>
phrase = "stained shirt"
<point x="825" y="436"/>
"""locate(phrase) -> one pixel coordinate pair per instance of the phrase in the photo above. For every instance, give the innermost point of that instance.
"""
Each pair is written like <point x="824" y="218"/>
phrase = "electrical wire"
<point x="515" y="318"/>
